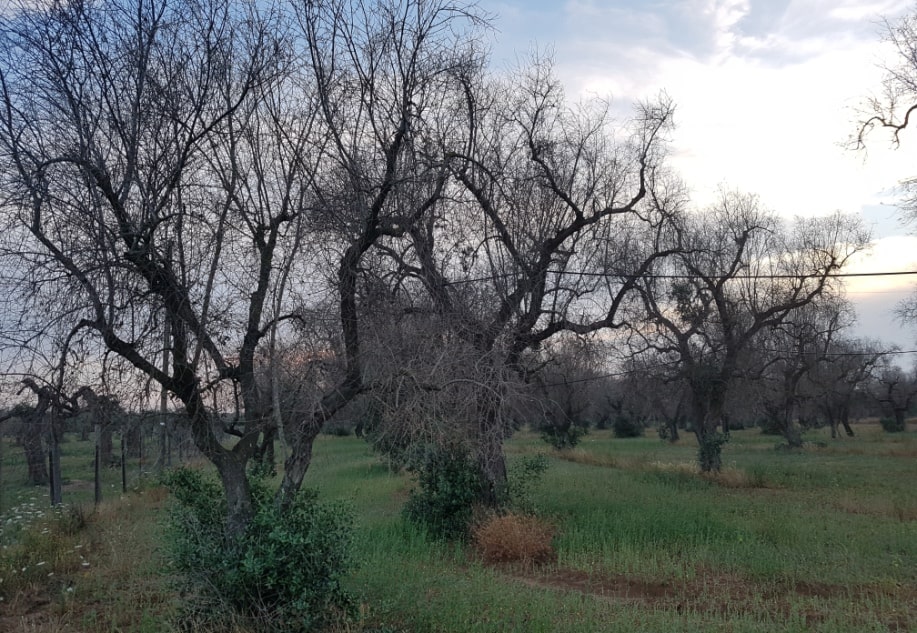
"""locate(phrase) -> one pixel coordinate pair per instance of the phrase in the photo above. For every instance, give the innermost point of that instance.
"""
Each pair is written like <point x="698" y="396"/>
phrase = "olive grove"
<point x="266" y="213"/>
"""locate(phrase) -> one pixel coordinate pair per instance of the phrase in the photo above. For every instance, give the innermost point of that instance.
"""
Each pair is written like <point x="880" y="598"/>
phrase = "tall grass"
<point x="823" y="539"/>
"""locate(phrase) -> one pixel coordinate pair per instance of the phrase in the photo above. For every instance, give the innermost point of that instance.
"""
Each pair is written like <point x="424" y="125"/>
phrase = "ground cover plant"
<point x="818" y="539"/>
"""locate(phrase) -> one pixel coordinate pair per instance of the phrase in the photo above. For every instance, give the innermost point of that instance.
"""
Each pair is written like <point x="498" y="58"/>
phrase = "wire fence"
<point x="96" y="462"/>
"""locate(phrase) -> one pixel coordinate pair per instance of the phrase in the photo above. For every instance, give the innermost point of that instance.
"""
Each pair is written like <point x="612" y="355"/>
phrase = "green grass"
<point x="822" y="539"/>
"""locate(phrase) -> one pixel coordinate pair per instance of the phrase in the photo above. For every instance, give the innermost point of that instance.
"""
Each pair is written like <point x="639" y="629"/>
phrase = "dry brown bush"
<point x="514" y="538"/>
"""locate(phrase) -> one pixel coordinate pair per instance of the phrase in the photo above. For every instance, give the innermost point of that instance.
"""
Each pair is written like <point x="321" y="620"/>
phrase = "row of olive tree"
<point x="218" y="195"/>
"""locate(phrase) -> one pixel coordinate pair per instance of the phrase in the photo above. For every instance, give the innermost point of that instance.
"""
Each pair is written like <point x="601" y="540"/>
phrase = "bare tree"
<point x="655" y="392"/>
<point x="793" y="351"/>
<point x="172" y="167"/>
<point x="847" y="371"/>
<point x="893" y="111"/>
<point x="895" y="390"/>
<point x="29" y="427"/>
<point x="543" y="231"/>
<point x="740" y="273"/>
<point x="566" y="388"/>
<point x="381" y="73"/>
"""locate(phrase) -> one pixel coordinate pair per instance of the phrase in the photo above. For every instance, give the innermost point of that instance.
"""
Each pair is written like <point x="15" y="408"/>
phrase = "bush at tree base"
<point x="893" y="425"/>
<point x="448" y="486"/>
<point x="524" y="475"/>
<point x="770" y="426"/>
<point x="710" y="450"/>
<point x="625" y="426"/>
<point x="563" y="436"/>
<point x="284" y="574"/>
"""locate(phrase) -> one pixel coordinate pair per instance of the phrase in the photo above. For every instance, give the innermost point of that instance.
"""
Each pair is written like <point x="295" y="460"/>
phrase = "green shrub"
<point x="893" y="425"/>
<point x="448" y="486"/>
<point x="524" y="475"/>
<point x="563" y="436"/>
<point x="624" y="426"/>
<point x="710" y="450"/>
<point x="284" y="574"/>
<point x="771" y="426"/>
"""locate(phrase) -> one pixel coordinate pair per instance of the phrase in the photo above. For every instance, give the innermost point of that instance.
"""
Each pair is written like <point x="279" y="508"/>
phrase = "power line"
<point x="584" y="273"/>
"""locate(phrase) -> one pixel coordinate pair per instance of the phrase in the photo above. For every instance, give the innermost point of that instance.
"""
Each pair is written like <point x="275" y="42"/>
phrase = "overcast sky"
<point x="766" y="94"/>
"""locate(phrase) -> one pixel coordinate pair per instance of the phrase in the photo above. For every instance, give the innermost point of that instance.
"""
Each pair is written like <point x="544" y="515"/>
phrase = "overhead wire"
<point x="584" y="273"/>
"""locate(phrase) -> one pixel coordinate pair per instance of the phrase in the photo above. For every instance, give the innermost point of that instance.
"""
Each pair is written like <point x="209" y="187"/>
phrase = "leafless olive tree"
<point x="792" y="353"/>
<point x="846" y="373"/>
<point x="740" y="272"/>
<point x="543" y="228"/>
<point x="895" y="389"/>
<point x="174" y="170"/>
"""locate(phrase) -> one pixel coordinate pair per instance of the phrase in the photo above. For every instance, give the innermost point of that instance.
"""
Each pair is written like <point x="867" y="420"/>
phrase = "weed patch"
<point x="738" y="478"/>
<point x="514" y="538"/>
<point x="46" y="547"/>
<point x="587" y="458"/>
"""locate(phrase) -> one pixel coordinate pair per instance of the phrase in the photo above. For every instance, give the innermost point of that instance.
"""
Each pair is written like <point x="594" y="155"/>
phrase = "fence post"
<point x="123" y="461"/>
<point x="96" y="466"/>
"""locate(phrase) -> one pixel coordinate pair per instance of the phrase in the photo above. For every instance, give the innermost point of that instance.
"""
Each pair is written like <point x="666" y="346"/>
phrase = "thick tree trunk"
<point x="239" y="508"/>
<point x="709" y="440"/>
<point x="265" y="456"/>
<point x="30" y="438"/>
<point x="230" y="465"/>
<point x="788" y="427"/>
<point x="708" y="397"/>
<point x="791" y="434"/>
<point x="132" y="433"/>
<point x="491" y="458"/>
<point x="845" y="420"/>
<point x="710" y="448"/>
<point x="672" y="425"/>
<point x="296" y="464"/>
<point x="832" y="416"/>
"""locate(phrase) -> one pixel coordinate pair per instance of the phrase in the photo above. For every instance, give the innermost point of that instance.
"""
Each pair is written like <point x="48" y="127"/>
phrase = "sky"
<point x="767" y="95"/>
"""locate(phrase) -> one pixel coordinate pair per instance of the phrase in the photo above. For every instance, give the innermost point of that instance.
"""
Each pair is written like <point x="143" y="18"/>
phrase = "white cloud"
<point x="726" y="15"/>
<point x="780" y="131"/>
<point x="767" y="113"/>
<point x="767" y="93"/>
<point x="857" y="10"/>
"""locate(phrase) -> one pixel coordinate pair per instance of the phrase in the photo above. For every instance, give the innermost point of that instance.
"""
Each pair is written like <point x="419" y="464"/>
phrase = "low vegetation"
<point x="628" y="537"/>
<point x="284" y="575"/>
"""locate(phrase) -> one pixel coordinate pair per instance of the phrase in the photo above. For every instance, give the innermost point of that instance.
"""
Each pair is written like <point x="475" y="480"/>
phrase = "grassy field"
<point x="823" y="539"/>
